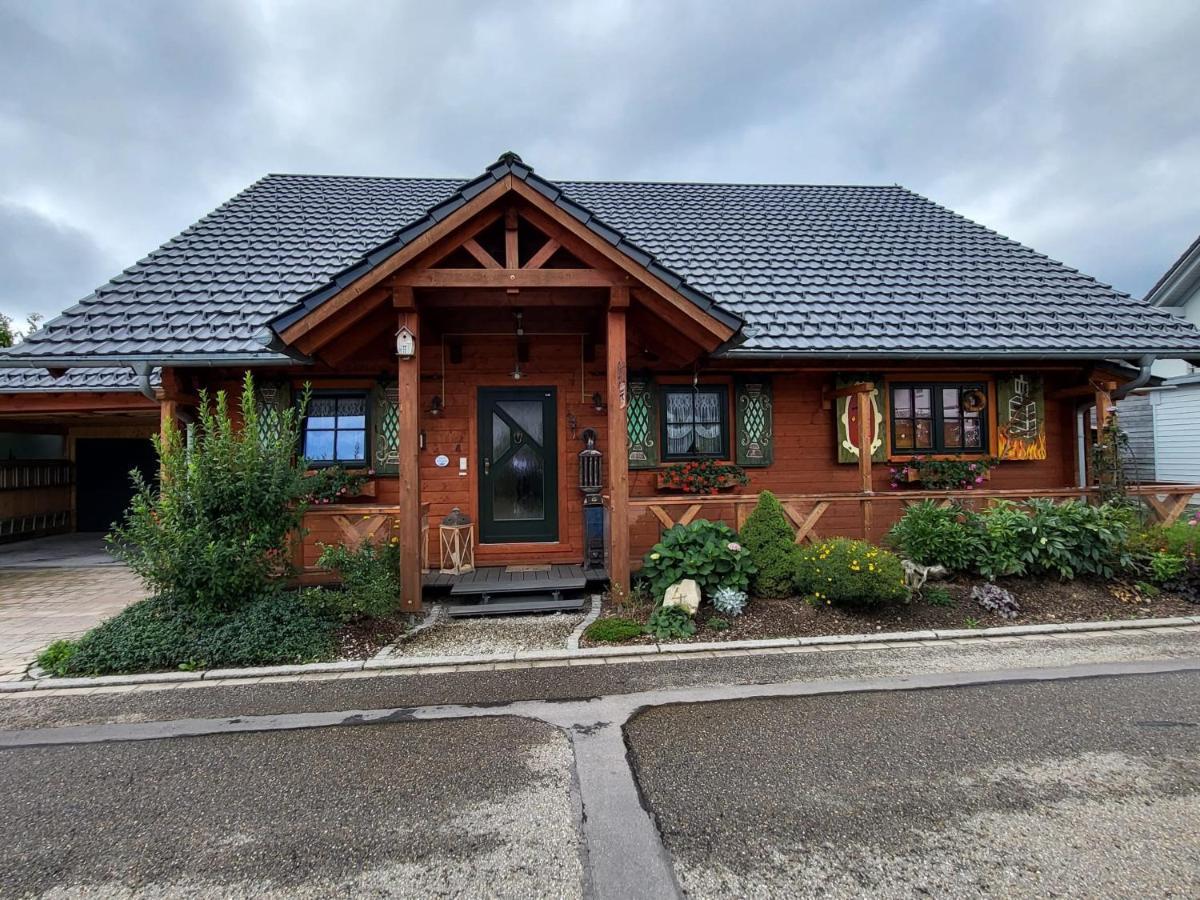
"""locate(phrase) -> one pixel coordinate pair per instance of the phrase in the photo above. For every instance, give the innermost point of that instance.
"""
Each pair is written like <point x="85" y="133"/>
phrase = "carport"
<point x="67" y="445"/>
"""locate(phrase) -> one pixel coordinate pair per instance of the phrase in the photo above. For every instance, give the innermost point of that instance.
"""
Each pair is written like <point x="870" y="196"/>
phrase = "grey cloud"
<point x="1069" y="126"/>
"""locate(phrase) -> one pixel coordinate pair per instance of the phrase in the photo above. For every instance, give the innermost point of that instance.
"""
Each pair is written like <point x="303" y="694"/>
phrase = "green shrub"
<point x="717" y="623"/>
<point x="936" y="595"/>
<point x="932" y="535"/>
<point x="160" y="633"/>
<point x="1181" y="539"/>
<point x="370" y="577"/>
<point x="1066" y="539"/>
<point x="771" y="543"/>
<point x="1166" y="567"/>
<point x="215" y="531"/>
<point x="845" y="572"/>
<point x="670" y="623"/>
<point x="612" y="631"/>
<point x="706" y="551"/>
<point x="57" y="656"/>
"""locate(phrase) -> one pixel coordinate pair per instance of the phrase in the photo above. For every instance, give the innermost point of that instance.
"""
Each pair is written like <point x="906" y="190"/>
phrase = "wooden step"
<point x="516" y="605"/>
<point x="518" y="585"/>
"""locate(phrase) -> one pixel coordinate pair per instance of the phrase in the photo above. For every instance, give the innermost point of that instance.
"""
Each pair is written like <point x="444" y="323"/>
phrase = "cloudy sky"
<point x="1073" y="127"/>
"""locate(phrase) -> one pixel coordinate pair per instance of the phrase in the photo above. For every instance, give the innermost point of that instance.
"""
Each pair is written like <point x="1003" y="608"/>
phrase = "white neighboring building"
<point x="1163" y="423"/>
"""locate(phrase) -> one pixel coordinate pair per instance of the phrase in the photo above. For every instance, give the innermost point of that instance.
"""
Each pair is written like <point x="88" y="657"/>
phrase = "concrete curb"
<point x="377" y="664"/>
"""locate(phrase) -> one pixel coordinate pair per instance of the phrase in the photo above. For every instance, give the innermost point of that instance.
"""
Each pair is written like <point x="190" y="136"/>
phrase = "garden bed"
<point x="1042" y="600"/>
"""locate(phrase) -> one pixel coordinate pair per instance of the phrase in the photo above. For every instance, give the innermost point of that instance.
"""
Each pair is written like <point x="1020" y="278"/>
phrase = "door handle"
<point x="487" y="466"/>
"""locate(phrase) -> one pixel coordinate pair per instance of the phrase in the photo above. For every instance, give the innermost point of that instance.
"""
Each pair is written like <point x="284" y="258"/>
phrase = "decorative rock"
<point x="685" y="594"/>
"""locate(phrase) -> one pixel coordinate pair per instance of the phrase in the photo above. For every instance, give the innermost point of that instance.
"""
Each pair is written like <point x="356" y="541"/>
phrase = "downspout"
<point x="1083" y="412"/>
<point x="142" y="371"/>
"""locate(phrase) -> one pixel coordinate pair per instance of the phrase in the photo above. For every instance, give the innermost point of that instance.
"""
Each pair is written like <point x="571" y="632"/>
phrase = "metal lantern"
<point x="457" y="538"/>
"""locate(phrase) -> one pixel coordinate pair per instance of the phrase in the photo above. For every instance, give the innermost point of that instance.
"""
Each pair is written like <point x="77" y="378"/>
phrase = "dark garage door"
<point x="102" y="485"/>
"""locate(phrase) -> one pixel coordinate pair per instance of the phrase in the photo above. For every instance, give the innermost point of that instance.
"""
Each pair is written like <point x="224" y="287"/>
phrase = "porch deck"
<point x="533" y="577"/>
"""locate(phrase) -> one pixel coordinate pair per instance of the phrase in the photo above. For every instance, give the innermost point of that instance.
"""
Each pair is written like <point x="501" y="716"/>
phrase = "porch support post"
<point x="1104" y="404"/>
<point x="618" y="453"/>
<point x="168" y="411"/>
<point x="409" y="512"/>
<point x="864" y="458"/>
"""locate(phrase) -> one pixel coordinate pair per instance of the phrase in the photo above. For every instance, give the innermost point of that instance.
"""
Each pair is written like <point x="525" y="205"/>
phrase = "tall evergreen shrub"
<point x="771" y="542"/>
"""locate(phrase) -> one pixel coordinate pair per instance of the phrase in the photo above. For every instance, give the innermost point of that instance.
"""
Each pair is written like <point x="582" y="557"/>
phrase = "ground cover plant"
<point x="707" y="552"/>
<point x="613" y="630"/>
<point x="668" y="623"/>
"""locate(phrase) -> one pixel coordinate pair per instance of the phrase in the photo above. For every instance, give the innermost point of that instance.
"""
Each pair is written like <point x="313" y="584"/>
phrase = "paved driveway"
<point x="54" y="588"/>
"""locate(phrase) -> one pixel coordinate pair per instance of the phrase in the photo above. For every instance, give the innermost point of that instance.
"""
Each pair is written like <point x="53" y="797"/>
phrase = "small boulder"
<point x="685" y="594"/>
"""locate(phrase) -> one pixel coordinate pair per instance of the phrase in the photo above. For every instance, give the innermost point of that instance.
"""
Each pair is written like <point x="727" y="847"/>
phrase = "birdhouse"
<point x="457" y="534"/>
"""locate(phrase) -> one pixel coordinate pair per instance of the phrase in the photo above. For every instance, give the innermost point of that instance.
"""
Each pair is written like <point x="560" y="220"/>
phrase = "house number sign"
<point x="441" y="460"/>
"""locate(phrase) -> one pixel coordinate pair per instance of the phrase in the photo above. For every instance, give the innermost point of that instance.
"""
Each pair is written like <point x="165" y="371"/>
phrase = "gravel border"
<point x="592" y="616"/>
<point x="531" y="656"/>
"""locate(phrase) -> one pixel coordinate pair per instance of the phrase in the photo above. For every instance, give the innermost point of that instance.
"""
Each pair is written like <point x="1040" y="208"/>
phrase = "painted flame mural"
<point x="1021" y="418"/>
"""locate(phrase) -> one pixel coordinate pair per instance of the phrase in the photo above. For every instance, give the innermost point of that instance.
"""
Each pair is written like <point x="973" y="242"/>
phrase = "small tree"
<point x="771" y="542"/>
<point x="214" y="532"/>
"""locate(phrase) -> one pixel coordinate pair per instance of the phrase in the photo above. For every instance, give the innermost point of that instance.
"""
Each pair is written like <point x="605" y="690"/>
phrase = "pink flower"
<point x="895" y="484"/>
<point x="979" y="479"/>
<point x="734" y="547"/>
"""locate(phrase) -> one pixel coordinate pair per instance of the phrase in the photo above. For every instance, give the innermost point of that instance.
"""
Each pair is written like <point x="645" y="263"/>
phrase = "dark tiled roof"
<point x="832" y="270"/>
<point x="109" y="378"/>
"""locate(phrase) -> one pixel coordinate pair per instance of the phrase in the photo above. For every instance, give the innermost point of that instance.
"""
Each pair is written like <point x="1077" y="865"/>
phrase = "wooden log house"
<point x="465" y="340"/>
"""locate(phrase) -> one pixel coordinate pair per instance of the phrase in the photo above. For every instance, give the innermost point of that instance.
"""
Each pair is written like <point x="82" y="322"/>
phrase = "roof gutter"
<point x="198" y="360"/>
<point x="1080" y="355"/>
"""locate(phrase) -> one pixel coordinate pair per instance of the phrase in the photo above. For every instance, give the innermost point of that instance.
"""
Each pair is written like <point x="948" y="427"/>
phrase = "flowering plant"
<point x="333" y="483"/>
<point x="702" y="476"/>
<point x="944" y="474"/>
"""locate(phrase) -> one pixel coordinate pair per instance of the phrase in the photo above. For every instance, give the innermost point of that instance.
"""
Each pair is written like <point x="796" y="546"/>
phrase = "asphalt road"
<point x="1082" y="787"/>
<point x="1085" y="788"/>
<point x="465" y="808"/>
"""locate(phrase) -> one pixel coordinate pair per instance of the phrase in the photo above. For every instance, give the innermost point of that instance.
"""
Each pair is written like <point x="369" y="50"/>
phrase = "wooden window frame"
<point x="668" y="458"/>
<point x="936" y="386"/>
<point x="339" y="394"/>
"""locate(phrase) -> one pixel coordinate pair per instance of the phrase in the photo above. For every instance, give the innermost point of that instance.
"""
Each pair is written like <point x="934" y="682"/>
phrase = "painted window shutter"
<point x="385" y="428"/>
<point x="755" y="426"/>
<point x="272" y="399"/>
<point x="641" y="416"/>
<point x="1021" y="417"/>
<point x="847" y="421"/>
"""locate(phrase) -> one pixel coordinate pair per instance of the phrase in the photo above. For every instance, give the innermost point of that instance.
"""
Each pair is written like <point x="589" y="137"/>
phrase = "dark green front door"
<point x="518" y="465"/>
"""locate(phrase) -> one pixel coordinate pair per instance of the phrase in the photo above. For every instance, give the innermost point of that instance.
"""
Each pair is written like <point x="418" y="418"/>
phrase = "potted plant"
<point x="702" y="477"/>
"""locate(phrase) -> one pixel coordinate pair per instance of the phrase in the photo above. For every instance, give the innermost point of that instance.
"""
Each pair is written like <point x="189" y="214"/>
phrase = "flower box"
<point x="665" y="484"/>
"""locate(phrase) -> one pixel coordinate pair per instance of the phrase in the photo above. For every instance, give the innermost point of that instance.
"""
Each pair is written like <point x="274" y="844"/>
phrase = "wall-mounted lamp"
<point x="435" y="406"/>
<point x="597" y="402"/>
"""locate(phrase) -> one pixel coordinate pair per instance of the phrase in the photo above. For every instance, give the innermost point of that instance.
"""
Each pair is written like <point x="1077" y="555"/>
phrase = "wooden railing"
<point x="349" y="524"/>
<point x="1166" y="503"/>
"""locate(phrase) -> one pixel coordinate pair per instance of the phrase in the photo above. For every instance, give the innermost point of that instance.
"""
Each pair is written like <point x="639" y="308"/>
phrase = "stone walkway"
<point x="39" y="606"/>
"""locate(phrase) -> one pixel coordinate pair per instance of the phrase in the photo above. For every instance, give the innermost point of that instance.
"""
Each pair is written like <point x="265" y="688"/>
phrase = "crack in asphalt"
<point x="620" y="845"/>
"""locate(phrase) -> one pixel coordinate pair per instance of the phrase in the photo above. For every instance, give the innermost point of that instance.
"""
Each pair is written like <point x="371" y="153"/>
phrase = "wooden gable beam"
<point x="431" y="236"/>
<point x="720" y="331"/>
<point x="484" y="258"/>
<point x="509" y="278"/>
<point x="543" y="255"/>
